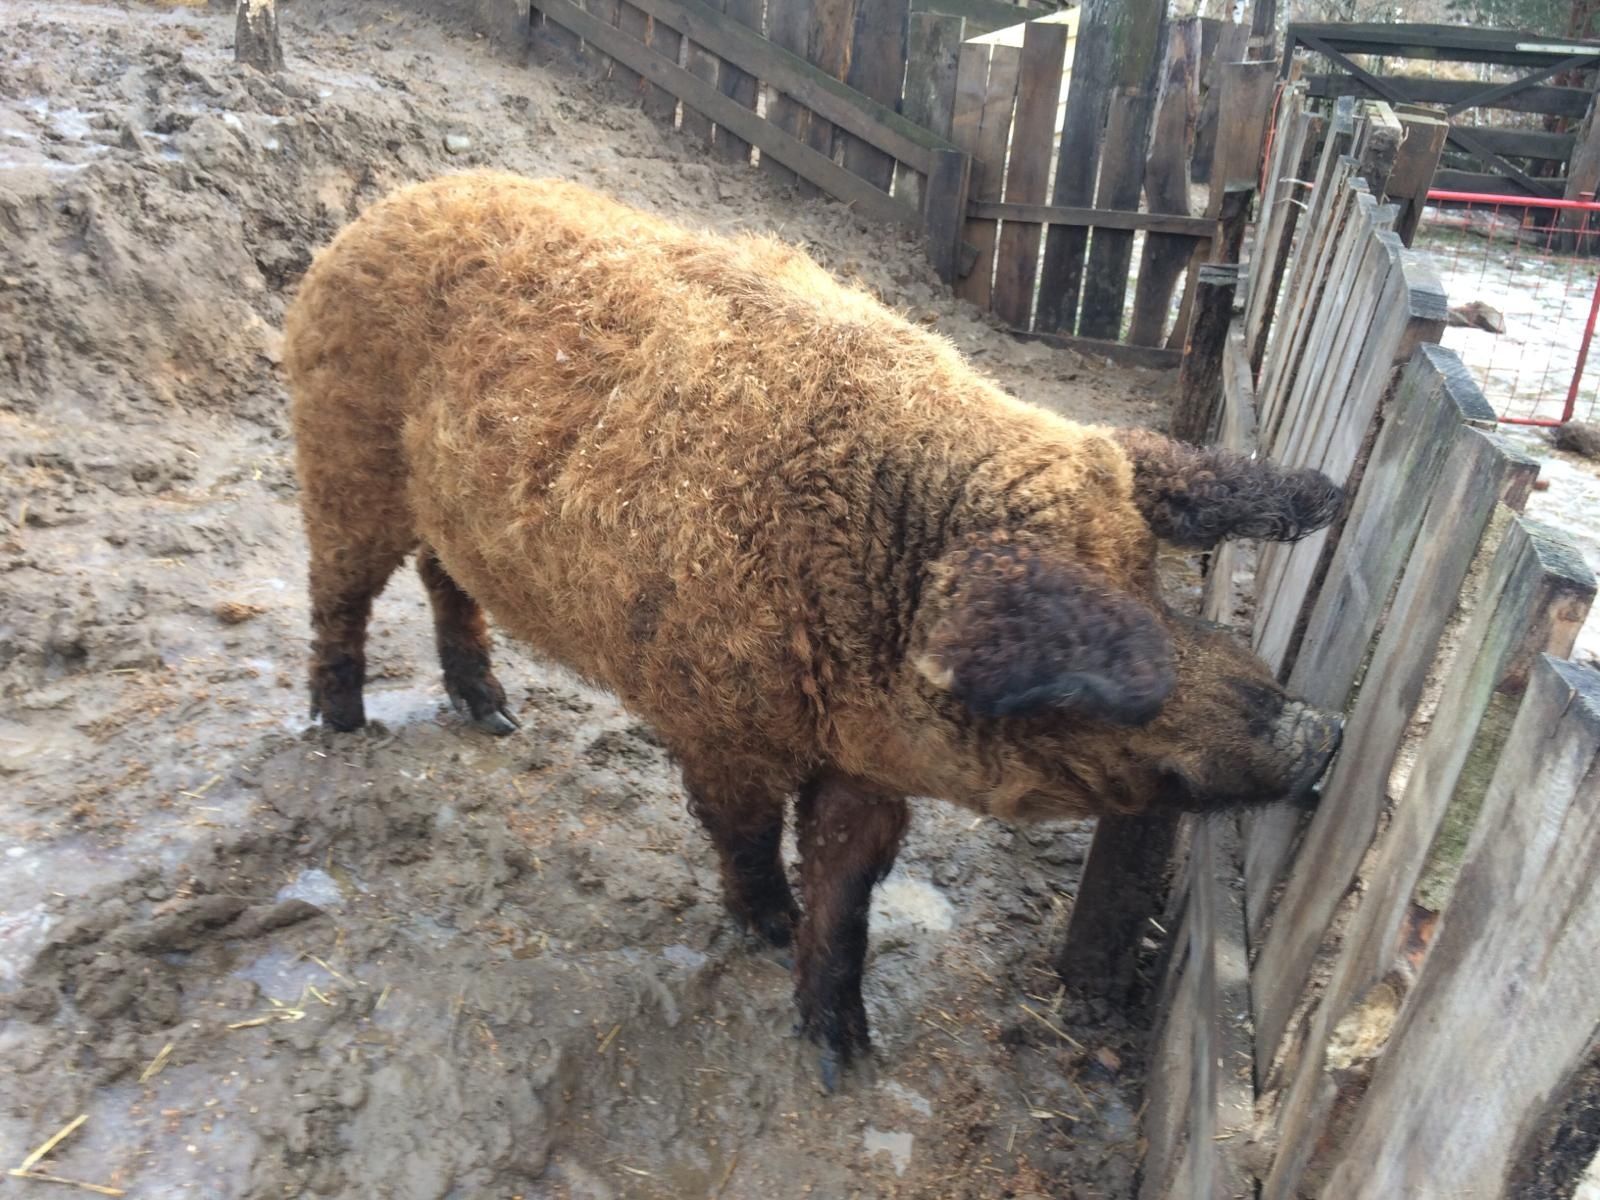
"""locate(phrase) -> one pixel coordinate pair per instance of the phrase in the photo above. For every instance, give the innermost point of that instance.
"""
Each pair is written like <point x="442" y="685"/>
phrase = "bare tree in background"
<point x="255" y="36"/>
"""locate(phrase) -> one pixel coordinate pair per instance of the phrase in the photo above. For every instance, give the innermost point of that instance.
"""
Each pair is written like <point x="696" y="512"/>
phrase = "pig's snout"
<point x="1309" y="738"/>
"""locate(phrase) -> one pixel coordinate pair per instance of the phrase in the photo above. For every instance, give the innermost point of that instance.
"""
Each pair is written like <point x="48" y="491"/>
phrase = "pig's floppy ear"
<point x="1016" y="634"/>
<point x="1196" y="497"/>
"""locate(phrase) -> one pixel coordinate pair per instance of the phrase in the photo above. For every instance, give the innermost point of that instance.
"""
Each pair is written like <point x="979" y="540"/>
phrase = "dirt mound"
<point x="266" y="961"/>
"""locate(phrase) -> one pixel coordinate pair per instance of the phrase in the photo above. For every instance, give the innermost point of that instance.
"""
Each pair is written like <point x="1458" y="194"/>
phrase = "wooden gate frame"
<point x="1545" y="57"/>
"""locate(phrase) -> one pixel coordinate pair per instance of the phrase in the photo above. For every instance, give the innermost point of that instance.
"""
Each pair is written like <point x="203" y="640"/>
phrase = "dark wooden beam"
<point x="1154" y="358"/>
<point x="1445" y="43"/>
<point x="1095" y="218"/>
<point x="1452" y="93"/>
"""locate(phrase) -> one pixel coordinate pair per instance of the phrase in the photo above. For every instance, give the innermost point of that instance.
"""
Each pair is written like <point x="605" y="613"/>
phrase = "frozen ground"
<point x="269" y="962"/>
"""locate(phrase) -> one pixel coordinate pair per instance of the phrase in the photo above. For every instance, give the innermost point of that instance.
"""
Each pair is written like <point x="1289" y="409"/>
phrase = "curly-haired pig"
<point x="821" y="554"/>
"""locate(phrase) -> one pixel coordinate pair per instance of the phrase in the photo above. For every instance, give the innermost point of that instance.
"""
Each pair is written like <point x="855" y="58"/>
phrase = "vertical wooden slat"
<point x="789" y="28"/>
<point x="988" y="165"/>
<point x="877" y="63"/>
<point x="1229" y="47"/>
<point x="1044" y="48"/>
<point x="1077" y="167"/>
<point x="665" y="41"/>
<point x="702" y="64"/>
<point x="944" y="210"/>
<point x="1434" y="397"/>
<point x="1415" y="163"/>
<point x="1166" y="182"/>
<point x="636" y="25"/>
<point x="738" y="84"/>
<point x="933" y="50"/>
<point x="1506" y="1008"/>
<point x="1139" y="34"/>
<point x="1283" y="203"/>
<point x="1480" y="472"/>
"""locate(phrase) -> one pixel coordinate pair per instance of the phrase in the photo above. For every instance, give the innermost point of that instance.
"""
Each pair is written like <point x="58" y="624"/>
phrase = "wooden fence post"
<point x="1124" y="885"/>
<point x="877" y="66"/>
<point x="945" y="210"/>
<point x="991" y="107"/>
<point x="255" y="35"/>
<point x="1200" y="375"/>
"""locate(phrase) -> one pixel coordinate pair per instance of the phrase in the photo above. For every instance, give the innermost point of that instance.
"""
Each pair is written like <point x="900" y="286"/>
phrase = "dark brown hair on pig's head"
<point x="1074" y="690"/>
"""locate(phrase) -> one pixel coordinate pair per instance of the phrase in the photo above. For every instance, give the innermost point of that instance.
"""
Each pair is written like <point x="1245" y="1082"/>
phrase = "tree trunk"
<point x="255" y="36"/>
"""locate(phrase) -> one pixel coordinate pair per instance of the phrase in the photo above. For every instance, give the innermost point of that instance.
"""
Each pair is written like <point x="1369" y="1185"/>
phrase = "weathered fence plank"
<point x="1287" y="188"/>
<point x="933" y="44"/>
<point x="988" y="165"/>
<point x="1416" y="162"/>
<point x="1166" y="182"/>
<point x="1138" y="33"/>
<point x="1508" y="996"/>
<point x="1536" y="594"/>
<point x="1480" y="472"/>
<point x="1077" y="167"/>
<point x="738" y="84"/>
<point x="877" y="60"/>
<point x="1044" y="49"/>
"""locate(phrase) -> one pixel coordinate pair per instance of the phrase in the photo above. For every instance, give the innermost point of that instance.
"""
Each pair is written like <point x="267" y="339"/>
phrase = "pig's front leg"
<point x="848" y="834"/>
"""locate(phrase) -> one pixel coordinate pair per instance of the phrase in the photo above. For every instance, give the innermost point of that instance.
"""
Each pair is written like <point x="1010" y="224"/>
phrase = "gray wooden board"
<point x="1537" y="594"/>
<point x="1077" y="167"/>
<point x="1194" y="228"/>
<point x="933" y="48"/>
<point x="1166" y="182"/>
<point x="1362" y="329"/>
<point x="1105" y="280"/>
<point x="702" y="64"/>
<point x="1409" y="312"/>
<point x="997" y="109"/>
<point x="1415" y="165"/>
<point x="1434" y="396"/>
<point x="1247" y="90"/>
<point x="1170" y="1076"/>
<point x="1480" y="471"/>
<point x="788" y="28"/>
<point x="877" y="68"/>
<point x="1283" y="156"/>
<point x="1325" y="228"/>
<point x="1027" y="177"/>
<point x="1326" y="190"/>
<point x="1346" y="241"/>
<point x="773" y="141"/>
<point x="1280" y="219"/>
<point x="1508" y="991"/>
<point x="738" y="84"/>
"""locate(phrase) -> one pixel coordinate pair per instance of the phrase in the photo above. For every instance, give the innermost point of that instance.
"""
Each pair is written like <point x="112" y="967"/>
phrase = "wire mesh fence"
<point x="1523" y="277"/>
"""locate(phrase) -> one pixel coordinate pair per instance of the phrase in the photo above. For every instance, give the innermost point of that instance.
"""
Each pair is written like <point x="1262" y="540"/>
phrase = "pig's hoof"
<point x="830" y="1065"/>
<point x="340" y="714"/>
<point x="499" y="723"/>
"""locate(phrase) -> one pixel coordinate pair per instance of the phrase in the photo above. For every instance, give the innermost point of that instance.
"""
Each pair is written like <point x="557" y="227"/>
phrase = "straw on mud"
<point x="1052" y="1027"/>
<point x="51" y="1143"/>
<point x="326" y="967"/>
<point x="156" y="1064"/>
<point x="605" y="1042"/>
<point x="26" y="1171"/>
<point x="40" y="1177"/>
<point x="635" y="1171"/>
<point x="727" y="1174"/>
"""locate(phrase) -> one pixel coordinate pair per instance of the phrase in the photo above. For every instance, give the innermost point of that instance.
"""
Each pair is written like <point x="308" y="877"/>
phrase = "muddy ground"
<point x="266" y="961"/>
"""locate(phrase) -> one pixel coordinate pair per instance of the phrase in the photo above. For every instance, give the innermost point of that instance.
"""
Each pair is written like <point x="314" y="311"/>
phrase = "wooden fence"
<point x="1035" y="183"/>
<point x="1391" y="996"/>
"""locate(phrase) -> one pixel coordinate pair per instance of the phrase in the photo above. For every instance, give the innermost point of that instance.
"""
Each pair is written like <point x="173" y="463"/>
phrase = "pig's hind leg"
<point x="462" y="636"/>
<point x="849" y="834"/>
<point x="745" y="821"/>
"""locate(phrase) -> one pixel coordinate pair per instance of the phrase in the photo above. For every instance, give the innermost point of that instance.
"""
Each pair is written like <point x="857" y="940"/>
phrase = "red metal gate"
<point x="1523" y="278"/>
